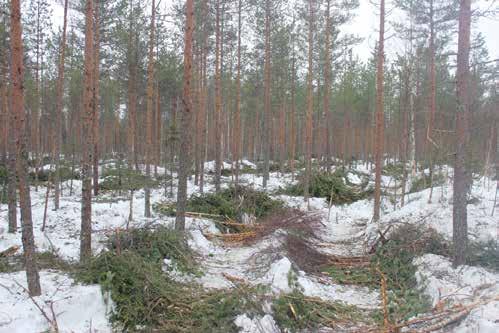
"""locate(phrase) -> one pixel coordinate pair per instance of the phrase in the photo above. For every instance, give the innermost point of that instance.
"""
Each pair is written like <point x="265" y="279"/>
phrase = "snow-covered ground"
<point x="77" y="308"/>
<point x="464" y="286"/>
<point x="346" y="230"/>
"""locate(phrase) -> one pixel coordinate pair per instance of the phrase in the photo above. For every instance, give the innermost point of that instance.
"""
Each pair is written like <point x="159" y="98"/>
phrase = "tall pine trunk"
<point x="461" y="172"/>
<point x="149" y="111"/>
<point x="17" y="78"/>
<point x="96" y="104"/>
<point x="327" y="88"/>
<point x="185" y="139"/>
<point x="380" y="118"/>
<point x="218" y="100"/>
<point x="58" y="110"/>
<point x="310" y="105"/>
<point x="237" y="117"/>
<point x="132" y="94"/>
<point x="432" y="98"/>
<point x="87" y="137"/>
<point x="267" y="120"/>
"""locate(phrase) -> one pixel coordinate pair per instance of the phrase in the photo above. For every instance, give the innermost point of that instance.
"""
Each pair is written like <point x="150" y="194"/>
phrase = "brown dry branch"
<point x="9" y="252"/>
<point x="443" y="317"/>
<point x="387" y="326"/>
<point x="52" y="320"/>
<point x="293" y="221"/>
<point x="310" y="260"/>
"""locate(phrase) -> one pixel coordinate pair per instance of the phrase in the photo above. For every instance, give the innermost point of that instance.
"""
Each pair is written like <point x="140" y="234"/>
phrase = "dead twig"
<point x="9" y="252"/>
<point x="52" y="321"/>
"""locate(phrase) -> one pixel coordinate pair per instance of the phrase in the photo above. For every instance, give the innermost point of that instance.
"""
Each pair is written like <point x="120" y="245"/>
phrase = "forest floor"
<point x="315" y="272"/>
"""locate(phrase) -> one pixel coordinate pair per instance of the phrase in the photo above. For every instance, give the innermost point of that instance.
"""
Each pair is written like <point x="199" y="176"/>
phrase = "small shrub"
<point x="273" y="167"/>
<point x="125" y="180"/>
<point x="45" y="175"/>
<point x="363" y="276"/>
<point x="423" y="182"/>
<point x="485" y="254"/>
<point x="230" y="203"/>
<point x="3" y="174"/>
<point x="155" y="245"/>
<point x="395" y="170"/>
<point x="331" y="186"/>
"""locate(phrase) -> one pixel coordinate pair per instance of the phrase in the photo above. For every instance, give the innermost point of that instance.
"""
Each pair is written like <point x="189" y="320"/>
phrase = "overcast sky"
<point x="366" y="25"/>
<point x="367" y="22"/>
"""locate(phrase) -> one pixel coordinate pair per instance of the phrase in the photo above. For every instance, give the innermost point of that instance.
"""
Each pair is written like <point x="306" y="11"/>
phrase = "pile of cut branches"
<point x="293" y="221"/>
<point x="148" y="300"/>
<point x="310" y="260"/>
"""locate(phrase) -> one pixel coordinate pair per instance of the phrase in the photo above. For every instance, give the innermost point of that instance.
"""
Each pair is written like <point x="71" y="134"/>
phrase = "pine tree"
<point x="59" y="102"/>
<point x="461" y="173"/>
<point x="87" y="131"/>
<point x="310" y="104"/>
<point x="185" y="144"/>
<point x="379" y="113"/>
<point x="149" y="110"/>
<point x="17" y="79"/>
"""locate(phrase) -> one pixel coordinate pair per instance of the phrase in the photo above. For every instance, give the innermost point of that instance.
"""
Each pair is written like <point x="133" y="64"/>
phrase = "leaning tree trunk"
<point x="461" y="172"/>
<point x="185" y="141"/>
<point x="17" y="78"/>
<point x="87" y="137"/>
<point x="379" y="113"/>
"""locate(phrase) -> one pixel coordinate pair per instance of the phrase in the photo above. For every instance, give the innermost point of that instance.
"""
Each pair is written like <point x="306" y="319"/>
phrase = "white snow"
<point x="354" y="178"/>
<point x="77" y="308"/>
<point x="462" y="285"/>
<point x="265" y="324"/>
<point x="278" y="276"/>
<point x="346" y="230"/>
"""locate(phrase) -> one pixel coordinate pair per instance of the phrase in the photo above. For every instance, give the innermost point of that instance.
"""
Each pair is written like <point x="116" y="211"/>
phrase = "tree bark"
<point x="17" y="77"/>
